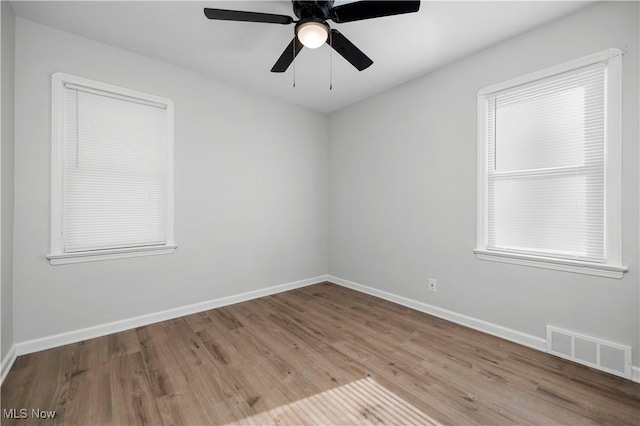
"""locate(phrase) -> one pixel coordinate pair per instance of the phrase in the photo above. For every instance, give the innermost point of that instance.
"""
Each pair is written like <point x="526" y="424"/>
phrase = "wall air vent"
<point x="611" y="357"/>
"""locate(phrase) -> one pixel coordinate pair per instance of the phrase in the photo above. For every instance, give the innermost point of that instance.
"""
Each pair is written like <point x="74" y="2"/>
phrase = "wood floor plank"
<point x="123" y="343"/>
<point x="321" y="354"/>
<point x="89" y="400"/>
<point x="133" y="402"/>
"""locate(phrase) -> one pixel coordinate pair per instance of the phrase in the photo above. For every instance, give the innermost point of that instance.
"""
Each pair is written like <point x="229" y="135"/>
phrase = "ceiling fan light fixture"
<point x="312" y="34"/>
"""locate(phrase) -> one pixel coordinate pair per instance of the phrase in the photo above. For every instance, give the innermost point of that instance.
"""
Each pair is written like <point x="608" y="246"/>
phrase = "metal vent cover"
<point x="607" y="356"/>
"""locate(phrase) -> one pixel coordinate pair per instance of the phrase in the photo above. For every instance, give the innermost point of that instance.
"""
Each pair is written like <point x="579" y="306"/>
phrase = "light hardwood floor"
<point x="321" y="354"/>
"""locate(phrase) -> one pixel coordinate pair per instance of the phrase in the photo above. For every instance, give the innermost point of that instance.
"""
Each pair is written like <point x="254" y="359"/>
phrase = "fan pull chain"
<point x="294" y="63"/>
<point x="330" y="61"/>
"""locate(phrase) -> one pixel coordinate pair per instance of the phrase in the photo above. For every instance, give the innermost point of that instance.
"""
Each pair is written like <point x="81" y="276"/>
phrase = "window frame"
<point x="57" y="254"/>
<point x="612" y="266"/>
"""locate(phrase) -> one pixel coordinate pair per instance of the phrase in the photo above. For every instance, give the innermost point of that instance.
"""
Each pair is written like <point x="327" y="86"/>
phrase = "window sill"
<point x="575" y="266"/>
<point x="67" y="258"/>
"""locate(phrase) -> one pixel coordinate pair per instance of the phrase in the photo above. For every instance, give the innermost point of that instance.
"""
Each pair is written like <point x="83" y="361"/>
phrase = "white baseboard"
<point x="480" y="325"/>
<point x="75" y="336"/>
<point x="7" y="363"/>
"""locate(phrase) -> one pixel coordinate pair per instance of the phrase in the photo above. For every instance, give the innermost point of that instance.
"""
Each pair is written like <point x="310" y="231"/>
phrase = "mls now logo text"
<point x="23" y="413"/>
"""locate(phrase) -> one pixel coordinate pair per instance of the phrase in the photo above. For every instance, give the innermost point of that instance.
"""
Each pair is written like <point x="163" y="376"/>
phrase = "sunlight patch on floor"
<point x="362" y="402"/>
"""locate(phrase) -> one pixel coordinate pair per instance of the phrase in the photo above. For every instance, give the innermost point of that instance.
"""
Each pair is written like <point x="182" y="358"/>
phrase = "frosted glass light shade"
<point x="312" y="34"/>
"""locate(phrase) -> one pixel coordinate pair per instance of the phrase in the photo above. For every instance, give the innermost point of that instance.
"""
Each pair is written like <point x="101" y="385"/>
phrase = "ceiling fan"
<point x="312" y="29"/>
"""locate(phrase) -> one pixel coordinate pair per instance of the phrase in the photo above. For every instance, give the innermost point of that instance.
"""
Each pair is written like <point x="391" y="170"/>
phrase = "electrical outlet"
<point x="433" y="285"/>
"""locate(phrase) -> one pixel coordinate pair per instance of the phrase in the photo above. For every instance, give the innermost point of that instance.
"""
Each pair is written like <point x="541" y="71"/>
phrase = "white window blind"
<point x="549" y="168"/>
<point x="545" y="167"/>
<point x="112" y="179"/>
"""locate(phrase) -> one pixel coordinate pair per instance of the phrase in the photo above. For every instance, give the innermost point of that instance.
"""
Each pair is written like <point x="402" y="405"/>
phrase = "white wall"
<point x="402" y="169"/>
<point x="7" y="62"/>
<point x="251" y="191"/>
<point x="250" y="197"/>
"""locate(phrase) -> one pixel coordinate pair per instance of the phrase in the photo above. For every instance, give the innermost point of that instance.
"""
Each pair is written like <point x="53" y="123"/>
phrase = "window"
<point x="549" y="168"/>
<point x="112" y="172"/>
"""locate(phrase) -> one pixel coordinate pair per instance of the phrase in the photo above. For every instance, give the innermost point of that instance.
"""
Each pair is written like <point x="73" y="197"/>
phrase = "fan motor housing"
<point x="312" y="9"/>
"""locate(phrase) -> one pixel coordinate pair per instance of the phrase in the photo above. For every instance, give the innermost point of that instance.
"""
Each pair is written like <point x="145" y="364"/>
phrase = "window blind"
<point x="115" y="171"/>
<point x="546" y="167"/>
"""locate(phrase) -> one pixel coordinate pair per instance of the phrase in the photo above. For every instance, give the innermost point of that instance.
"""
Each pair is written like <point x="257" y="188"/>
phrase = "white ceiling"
<point x="402" y="47"/>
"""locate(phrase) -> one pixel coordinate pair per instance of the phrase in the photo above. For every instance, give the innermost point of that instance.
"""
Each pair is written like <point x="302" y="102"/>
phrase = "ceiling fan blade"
<point x="349" y="51"/>
<point x="237" y="15"/>
<point x="372" y="9"/>
<point x="288" y="56"/>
